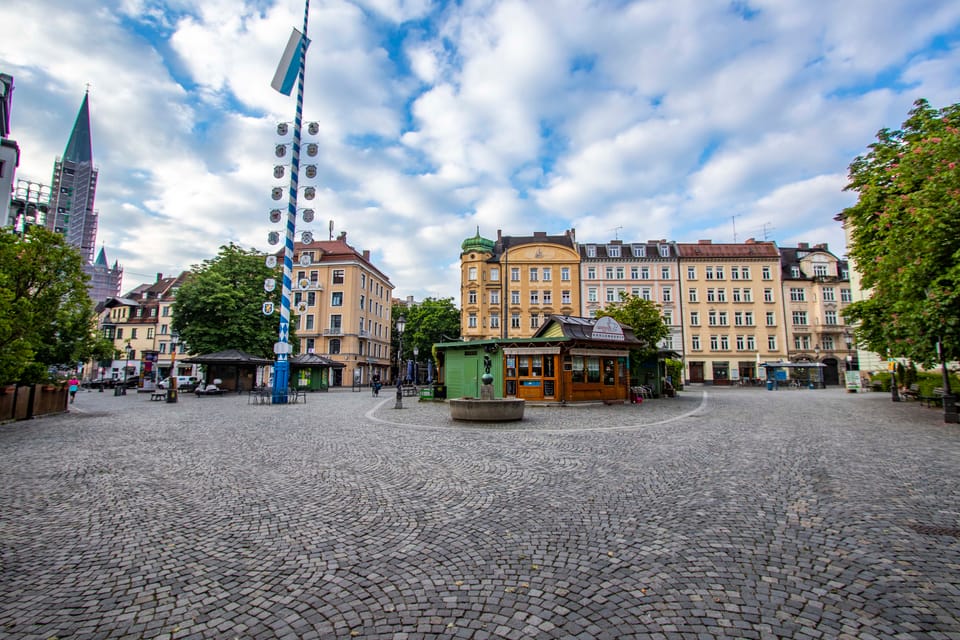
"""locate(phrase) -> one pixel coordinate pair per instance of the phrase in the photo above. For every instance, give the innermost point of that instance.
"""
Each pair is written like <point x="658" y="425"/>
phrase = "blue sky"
<point x="678" y="119"/>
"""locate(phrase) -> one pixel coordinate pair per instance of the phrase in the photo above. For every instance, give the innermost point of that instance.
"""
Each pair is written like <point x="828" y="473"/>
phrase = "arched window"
<point x="335" y="346"/>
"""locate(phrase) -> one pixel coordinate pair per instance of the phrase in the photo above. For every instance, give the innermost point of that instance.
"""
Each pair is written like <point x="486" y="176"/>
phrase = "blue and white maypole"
<point x="292" y="66"/>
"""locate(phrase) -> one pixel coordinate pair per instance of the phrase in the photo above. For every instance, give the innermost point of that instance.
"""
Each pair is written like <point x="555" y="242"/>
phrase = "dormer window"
<point x="664" y="251"/>
<point x="794" y="271"/>
<point x="591" y="251"/>
<point x="613" y="251"/>
<point x="639" y="251"/>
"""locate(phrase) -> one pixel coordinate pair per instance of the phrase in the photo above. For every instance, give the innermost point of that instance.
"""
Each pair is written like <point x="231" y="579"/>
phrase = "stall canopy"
<point x="237" y="369"/>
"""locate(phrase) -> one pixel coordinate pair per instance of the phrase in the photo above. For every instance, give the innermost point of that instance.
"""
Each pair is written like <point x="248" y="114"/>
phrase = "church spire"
<point x="80" y="147"/>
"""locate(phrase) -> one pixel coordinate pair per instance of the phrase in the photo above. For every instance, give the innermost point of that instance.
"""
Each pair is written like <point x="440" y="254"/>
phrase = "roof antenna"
<point x="331" y="231"/>
<point x="616" y="232"/>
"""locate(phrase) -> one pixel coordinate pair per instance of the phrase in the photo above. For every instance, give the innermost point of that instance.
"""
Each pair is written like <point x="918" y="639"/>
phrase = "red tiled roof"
<point x="739" y="250"/>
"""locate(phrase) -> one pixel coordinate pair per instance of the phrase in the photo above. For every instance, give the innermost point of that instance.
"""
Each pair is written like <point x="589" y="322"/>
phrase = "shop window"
<point x="578" y="374"/>
<point x="609" y="372"/>
<point x="593" y="369"/>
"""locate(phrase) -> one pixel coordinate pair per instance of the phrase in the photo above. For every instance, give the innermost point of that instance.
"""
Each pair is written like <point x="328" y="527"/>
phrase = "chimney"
<point x="342" y="237"/>
<point x="803" y="245"/>
<point x="366" y="255"/>
<point x="159" y="276"/>
<point x="704" y="241"/>
<point x="572" y="234"/>
<point x="499" y="235"/>
<point x="539" y="234"/>
<point x="749" y="241"/>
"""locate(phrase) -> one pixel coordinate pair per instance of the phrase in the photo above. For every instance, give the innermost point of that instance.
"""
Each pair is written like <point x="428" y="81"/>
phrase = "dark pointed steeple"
<point x="80" y="147"/>
<point x="102" y="258"/>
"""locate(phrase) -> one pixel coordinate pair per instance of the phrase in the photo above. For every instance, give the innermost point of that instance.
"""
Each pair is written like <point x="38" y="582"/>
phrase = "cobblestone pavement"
<point x="725" y="513"/>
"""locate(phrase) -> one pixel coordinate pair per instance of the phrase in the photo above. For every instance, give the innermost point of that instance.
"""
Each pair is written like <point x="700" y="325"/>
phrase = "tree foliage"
<point x="643" y="316"/>
<point x="905" y="236"/>
<point x="46" y="316"/>
<point x="431" y="321"/>
<point x="220" y="306"/>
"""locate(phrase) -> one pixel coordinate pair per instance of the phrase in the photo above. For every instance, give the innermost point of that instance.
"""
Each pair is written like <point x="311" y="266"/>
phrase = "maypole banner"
<point x="289" y="67"/>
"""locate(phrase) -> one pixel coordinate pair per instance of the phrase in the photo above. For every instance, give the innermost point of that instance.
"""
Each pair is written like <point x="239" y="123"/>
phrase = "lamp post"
<point x="819" y="381"/>
<point x="416" y="365"/>
<point x="172" y="388"/>
<point x="894" y="395"/>
<point x="126" y="368"/>
<point x="401" y="325"/>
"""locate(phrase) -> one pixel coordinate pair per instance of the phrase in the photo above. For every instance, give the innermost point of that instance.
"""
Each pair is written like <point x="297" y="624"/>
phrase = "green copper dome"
<point x="478" y="244"/>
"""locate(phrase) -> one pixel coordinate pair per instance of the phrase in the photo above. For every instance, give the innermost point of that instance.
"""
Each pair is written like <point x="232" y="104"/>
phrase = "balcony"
<point x="333" y="331"/>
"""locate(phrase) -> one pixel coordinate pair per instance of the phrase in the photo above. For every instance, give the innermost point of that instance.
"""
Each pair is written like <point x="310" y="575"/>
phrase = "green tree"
<point x="643" y="316"/>
<point x="905" y="239"/>
<point x="46" y="316"/>
<point x="220" y="306"/>
<point x="428" y="322"/>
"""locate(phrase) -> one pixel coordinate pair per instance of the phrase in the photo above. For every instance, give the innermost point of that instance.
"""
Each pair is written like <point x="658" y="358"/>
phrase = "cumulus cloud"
<point x="658" y="119"/>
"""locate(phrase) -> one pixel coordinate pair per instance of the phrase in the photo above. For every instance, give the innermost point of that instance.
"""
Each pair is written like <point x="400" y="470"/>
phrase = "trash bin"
<point x="171" y="395"/>
<point x="769" y="384"/>
<point x="426" y="393"/>
<point x="118" y="391"/>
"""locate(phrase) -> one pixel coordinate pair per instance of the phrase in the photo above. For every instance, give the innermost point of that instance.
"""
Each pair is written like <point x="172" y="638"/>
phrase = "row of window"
<point x="830" y="317"/>
<point x="829" y="294"/>
<point x="740" y="342"/>
<point x="620" y="273"/>
<point x="338" y="276"/>
<point x="119" y="312"/>
<point x="535" y="297"/>
<point x="535" y="274"/>
<point x="334" y="347"/>
<point x="367" y="328"/>
<point x="636" y="250"/>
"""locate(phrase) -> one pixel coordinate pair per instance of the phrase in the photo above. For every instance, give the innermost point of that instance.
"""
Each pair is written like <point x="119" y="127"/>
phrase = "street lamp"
<point x="816" y="352"/>
<point x="172" y="387"/>
<point x="401" y="325"/>
<point x="949" y="400"/>
<point x="416" y="365"/>
<point x="126" y="368"/>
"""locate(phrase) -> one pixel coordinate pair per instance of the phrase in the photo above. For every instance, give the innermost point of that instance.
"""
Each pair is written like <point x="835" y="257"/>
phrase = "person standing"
<point x="74" y="385"/>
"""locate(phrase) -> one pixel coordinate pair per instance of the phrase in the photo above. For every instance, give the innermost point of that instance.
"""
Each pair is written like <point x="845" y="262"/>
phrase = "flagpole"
<point x="281" y="369"/>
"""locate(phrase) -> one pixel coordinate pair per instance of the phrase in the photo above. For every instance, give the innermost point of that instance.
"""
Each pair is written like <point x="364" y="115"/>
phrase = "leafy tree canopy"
<point x="220" y="306"/>
<point x="643" y="316"/>
<point x="431" y="321"/>
<point x="905" y="236"/>
<point x="46" y="316"/>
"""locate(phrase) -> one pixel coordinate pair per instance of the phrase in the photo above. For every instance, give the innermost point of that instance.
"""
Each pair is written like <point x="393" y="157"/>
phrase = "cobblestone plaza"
<point x="723" y="513"/>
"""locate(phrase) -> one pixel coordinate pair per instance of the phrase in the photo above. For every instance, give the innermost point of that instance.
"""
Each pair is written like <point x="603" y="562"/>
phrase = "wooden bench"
<point x="935" y="399"/>
<point x="911" y="393"/>
<point x="158" y="395"/>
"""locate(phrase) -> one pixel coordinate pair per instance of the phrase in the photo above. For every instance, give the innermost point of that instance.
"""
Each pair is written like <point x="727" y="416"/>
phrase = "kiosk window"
<point x="511" y="367"/>
<point x="523" y="368"/>
<point x="578" y="375"/>
<point x="548" y="363"/>
<point x="609" y="375"/>
<point x="593" y="369"/>
<point x="537" y="366"/>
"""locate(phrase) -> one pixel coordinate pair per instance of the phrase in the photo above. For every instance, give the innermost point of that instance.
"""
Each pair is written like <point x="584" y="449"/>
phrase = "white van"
<point x="184" y="383"/>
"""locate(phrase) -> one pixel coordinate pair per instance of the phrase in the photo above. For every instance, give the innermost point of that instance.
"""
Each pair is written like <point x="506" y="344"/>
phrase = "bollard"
<point x="399" y="404"/>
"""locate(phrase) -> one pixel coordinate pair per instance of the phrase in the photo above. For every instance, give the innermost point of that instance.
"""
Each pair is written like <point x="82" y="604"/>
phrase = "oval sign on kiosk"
<point x="607" y="328"/>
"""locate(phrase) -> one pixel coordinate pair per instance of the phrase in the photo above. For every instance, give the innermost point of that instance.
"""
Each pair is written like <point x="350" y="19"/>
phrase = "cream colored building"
<point x="343" y="309"/>
<point x="731" y="301"/>
<point x="816" y="289"/>
<point x="141" y="321"/>
<point x="646" y="270"/>
<point x="511" y="286"/>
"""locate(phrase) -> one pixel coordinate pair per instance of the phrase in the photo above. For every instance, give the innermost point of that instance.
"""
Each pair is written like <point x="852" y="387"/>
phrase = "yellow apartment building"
<point x="510" y="287"/>
<point x="731" y="300"/>
<point x="816" y="289"/>
<point x="647" y="270"/>
<point x="343" y="304"/>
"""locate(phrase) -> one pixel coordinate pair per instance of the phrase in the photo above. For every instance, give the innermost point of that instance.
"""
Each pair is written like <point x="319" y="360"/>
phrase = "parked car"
<point x="184" y="383"/>
<point x="99" y="383"/>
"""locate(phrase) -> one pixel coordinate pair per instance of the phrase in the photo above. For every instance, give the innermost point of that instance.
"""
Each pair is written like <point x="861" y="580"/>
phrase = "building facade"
<point x="509" y="287"/>
<point x="139" y="324"/>
<point x="647" y="270"/>
<point x="343" y="306"/>
<point x="732" y="310"/>
<point x="9" y="150"/>
<point x="816" y="289"/>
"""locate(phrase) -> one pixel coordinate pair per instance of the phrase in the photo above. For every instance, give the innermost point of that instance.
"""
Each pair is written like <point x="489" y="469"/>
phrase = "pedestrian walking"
<point x="74" y="385"/>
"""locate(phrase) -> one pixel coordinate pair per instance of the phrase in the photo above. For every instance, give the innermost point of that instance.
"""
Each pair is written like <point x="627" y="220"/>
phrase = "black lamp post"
<point x="172" y="387"/>
<point x="949" y="400"/>
<point x="894" y="394"/>
<point x="401" y="325"/>
<point x="819" y="381"/>
<point x="126" y="368"/>
<point x="416" y="366"/>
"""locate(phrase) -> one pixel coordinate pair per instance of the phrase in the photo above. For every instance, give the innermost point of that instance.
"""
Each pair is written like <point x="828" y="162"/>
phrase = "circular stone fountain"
<point x="486" y="408"/>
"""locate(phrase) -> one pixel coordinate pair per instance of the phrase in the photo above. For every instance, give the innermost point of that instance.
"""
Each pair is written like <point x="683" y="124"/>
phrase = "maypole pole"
<point x="281" y="368"/>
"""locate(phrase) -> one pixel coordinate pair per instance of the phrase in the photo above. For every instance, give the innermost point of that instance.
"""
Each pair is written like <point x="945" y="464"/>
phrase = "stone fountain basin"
<point x="477" y="410"/>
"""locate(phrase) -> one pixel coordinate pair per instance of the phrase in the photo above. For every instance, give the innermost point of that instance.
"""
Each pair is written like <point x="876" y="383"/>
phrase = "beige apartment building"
<point x="343" y="304"/>
<point x="139" y="326"/>
<point x="511" y="286"/>
<point x="732" y="308"/>
<point x="816" y="289"/>
<point x="647" y="270"/>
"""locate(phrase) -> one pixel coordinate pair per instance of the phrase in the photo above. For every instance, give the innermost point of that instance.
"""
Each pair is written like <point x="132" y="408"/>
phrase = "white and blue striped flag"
<point x="289" y="67"/>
